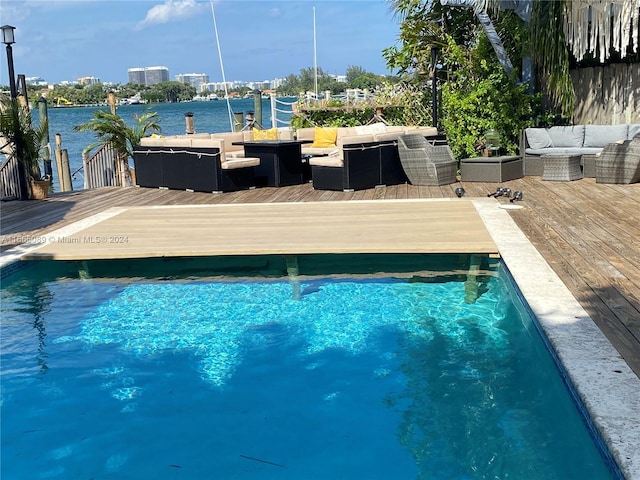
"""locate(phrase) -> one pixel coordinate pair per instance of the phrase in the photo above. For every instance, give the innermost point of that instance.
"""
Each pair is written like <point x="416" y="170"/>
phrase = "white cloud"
<point x="171" y="10"/>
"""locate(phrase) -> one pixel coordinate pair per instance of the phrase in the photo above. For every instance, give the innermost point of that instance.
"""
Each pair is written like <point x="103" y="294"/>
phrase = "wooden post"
<point x="257" y="105"/>
<point x="62" y="165"/>
<point x="66" y="171"/>
<point x="58" y="155"/>
<point x="111" y="99"/>
<point x="46" y="157"/>
<point x="188" y="118"/>
<point x="238" y="121"/>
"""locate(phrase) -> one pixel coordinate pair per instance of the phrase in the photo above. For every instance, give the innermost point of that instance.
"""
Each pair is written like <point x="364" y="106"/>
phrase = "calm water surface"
<point x="266" y="377"/>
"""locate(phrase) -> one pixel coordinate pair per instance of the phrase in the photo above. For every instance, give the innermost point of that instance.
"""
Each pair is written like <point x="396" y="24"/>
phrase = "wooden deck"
<point x="588" y="233"/>
<point x="398" y="226"/>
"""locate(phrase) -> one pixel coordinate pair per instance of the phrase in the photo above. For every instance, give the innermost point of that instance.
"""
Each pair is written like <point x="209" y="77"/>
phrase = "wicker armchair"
<point x="619" y="162"/>
<point x="425" y="163"/>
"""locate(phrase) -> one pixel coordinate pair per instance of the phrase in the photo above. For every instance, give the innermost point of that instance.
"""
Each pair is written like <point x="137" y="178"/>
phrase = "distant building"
<point x="197" y="80"/>
<point x="88" y="80"/>
<point x="35" y="81"/>
<point x="277" y="82"/>
<point x="148" y="75"/>
<point x="155" y="75"/>
<point x="136" y="76"/>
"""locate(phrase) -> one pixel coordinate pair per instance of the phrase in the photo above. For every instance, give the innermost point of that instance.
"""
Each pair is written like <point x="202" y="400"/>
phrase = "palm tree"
<point x="16" y="129"/>
<point x="111" y="130"/>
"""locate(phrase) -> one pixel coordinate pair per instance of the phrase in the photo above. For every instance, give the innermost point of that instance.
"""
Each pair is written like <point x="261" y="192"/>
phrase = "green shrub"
<point x="478" y="96"/>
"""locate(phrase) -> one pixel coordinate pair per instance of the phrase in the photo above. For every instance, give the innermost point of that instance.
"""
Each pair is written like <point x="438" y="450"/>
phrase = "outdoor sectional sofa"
<point x="353" y="158"/>
<point x="584" y="140"/>
<point x="356" y="158"/>
<point x="198" y="163"/>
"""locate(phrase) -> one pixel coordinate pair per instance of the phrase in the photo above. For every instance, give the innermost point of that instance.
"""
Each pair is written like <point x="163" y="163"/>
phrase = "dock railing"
<point x="280" y="108"/>
<point x="101" y="169"/>
<point x="9" y="179"/>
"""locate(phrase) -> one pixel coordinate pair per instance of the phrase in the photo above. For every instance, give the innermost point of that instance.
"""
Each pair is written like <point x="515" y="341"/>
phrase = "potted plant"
<point x="16" y="129"/>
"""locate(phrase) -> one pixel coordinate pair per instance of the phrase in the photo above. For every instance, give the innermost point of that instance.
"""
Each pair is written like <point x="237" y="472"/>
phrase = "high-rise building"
<point x="198" y="80"/>
<point x="155" y="75"/>
<point x="136" y="76"/>
<point x="148" y="75"/>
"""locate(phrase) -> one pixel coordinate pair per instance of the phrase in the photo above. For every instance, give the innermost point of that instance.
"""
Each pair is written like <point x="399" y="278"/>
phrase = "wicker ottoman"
<point x="561" y="168"/>
<point x="490" y="169"/>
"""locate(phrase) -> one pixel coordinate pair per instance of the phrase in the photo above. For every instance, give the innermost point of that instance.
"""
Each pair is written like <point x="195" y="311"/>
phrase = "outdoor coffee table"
<point x="280" y="161"/>
<point x="490" y="169"/>
<point x="561" y="168"/>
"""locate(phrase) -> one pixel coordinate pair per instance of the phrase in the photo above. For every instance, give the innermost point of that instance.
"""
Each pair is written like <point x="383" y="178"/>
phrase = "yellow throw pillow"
<point x="324" y="137"/>
<point x="271" y="134"/>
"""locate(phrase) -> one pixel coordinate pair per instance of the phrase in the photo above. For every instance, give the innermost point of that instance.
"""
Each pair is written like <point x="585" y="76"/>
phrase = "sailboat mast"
<point x="315" y="57"/>
<point x="224" y="78"/>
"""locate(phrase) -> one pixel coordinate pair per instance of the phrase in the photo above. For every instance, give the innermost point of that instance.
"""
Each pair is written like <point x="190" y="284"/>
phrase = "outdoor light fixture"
<point x="517" y="195"/>
<point x="506" y="192"/>
<point x="497" y="193"/>
<point x="460" y="192"/>
<point x="8" y="37"/>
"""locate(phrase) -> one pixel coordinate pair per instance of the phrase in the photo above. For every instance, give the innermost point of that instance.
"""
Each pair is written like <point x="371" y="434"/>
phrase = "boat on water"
<point x="205" y="98"/>
<point x="135" y="100"/>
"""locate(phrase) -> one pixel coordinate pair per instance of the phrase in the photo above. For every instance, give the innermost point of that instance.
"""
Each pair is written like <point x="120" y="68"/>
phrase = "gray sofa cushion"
<point x="601" y="135"/>
<point x="634" y="130"/>
<point x="538" y="138"/>
<point x="567" y="136"/>
<point x="563" y="151"/>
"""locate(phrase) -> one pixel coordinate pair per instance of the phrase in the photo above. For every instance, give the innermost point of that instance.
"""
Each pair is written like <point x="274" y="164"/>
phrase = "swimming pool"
<point x="346" y="367"/>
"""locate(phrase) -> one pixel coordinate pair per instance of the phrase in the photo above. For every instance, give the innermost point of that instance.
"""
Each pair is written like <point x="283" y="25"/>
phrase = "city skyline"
<point x="258" y="40"/>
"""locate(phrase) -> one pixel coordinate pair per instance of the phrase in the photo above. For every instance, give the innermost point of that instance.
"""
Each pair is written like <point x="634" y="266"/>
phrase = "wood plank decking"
<point x="588" y="233"/>
<point x="398" y="226"/>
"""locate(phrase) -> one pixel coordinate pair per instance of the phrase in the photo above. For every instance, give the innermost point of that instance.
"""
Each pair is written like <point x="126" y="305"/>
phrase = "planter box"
<point x="490" y="169"/>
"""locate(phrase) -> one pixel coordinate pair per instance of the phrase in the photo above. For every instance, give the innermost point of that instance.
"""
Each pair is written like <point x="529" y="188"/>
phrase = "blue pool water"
<point x="385" y="376"/>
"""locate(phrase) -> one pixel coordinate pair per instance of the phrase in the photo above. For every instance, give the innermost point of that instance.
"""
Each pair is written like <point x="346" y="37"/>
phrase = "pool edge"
<point x="605" y="384"/>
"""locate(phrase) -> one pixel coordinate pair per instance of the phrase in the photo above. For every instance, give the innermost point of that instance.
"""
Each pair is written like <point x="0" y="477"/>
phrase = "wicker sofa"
<point x="585" y="140"/>
<point x="356" y="158"/>
<point x="197" y="163"/>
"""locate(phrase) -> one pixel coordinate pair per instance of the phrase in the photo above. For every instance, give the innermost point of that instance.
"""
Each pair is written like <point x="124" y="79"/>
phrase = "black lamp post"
<point x="8" y="39"/>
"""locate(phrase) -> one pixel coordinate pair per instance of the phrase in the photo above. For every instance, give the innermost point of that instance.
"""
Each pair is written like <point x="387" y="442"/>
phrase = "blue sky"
<point x="260" y="40"/>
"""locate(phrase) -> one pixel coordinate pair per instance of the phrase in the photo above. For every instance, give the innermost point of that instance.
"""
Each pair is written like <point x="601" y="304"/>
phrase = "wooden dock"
<point x="588" y="233"/>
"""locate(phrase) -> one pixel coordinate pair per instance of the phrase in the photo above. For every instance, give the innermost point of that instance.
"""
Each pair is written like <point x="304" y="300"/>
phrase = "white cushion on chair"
<point x="232" y="163"/>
